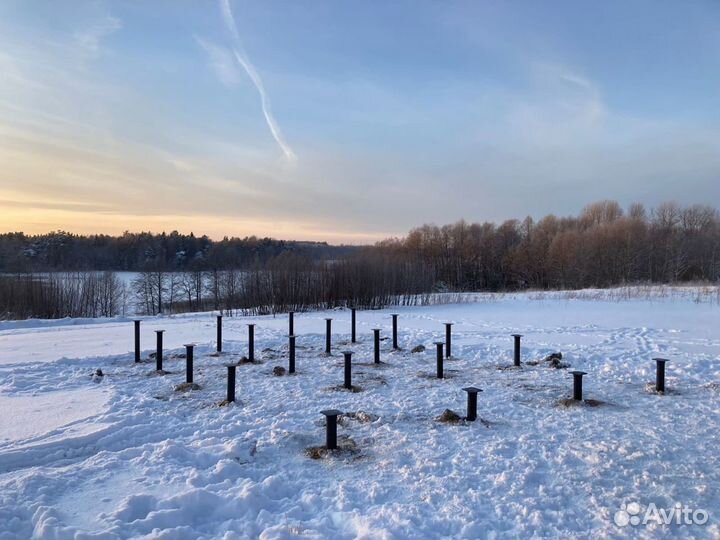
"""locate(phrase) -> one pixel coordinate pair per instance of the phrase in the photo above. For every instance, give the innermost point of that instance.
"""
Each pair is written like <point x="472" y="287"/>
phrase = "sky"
<point x="346" y="121"/>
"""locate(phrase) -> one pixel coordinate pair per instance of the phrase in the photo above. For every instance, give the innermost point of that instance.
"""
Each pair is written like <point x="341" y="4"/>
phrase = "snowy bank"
<point x="125" y="455"/>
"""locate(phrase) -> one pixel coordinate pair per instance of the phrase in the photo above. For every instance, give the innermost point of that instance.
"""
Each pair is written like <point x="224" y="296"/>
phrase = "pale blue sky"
<point x="378" y="116"/>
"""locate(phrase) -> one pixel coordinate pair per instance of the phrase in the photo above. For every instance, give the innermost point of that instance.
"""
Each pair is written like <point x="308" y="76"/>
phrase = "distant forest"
<point x="62" y="251"/>
<point x="603" y="246"/>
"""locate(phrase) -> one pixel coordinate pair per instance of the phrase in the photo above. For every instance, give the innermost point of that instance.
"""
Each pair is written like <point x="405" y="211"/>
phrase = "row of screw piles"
<point x="353" y="332"/>
<point x="472" y="391"/>
<point x="577" y="375"/>
<point x="332" y="414"/>
<point x="291" y="367"/>
<point x="219" y="338"/>
<point x="659" y="379"/>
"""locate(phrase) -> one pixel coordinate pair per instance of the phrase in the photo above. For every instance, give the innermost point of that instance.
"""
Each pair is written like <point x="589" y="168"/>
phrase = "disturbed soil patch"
<point x="159" y="373"/>
<point x="449" y="417"/>
<point x="569" y="402"/>
<point x="510" y="367"/>
<point x="271" y="354"/>
<point x="650" y="389"/>
<point x="245" y="360"/>
<point x="371" y="378"/>
<point x="187" y="386"/>
<point x="225" y="403"/>
<point x="346" y="448"/>
<point x="341" y="388"/>
<point x="554" y="360"/>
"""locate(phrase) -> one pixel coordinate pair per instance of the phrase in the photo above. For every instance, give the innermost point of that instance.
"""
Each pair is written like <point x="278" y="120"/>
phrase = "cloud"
<point x="249" y="68"/>
<point x="559" y="108"/>
<point x="383" y="153"/>
<point x="90" y="38"/>
<point x="577" y="80"/>
<point x="11" y="73"/>
<point x="222" y="62"/>
<point x="103" y="186"/>
<point x="36" y="204"/>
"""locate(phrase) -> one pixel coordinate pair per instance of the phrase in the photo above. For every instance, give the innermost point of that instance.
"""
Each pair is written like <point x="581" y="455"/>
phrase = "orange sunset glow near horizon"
<point x="348" y="125"/>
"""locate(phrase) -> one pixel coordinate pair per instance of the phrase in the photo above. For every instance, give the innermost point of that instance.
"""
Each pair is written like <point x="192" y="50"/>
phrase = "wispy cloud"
<point x="222" y="62"/>
<point x="90" y="38"/>
<point x="559" y="108"/>
<point x="588" y="99"/>
<point x="249" y="68"/>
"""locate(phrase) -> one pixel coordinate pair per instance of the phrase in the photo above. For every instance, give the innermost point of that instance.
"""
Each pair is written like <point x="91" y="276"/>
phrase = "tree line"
<point x="603" y="246"/>
<point x="58" y="295"/>
<point x="63" y="252"/>
<point x="368" y="279"/>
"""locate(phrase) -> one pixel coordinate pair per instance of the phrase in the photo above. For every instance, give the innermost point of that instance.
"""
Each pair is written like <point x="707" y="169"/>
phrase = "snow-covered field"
<point x="126" y="456"/>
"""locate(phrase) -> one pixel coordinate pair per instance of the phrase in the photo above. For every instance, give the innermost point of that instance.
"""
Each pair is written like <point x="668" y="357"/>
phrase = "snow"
<point x="125" y="456"/>
<point x="48" y="413"/>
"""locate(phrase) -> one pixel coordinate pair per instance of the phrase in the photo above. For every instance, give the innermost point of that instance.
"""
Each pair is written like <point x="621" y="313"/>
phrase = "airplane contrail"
<point x="244" y="61"/>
